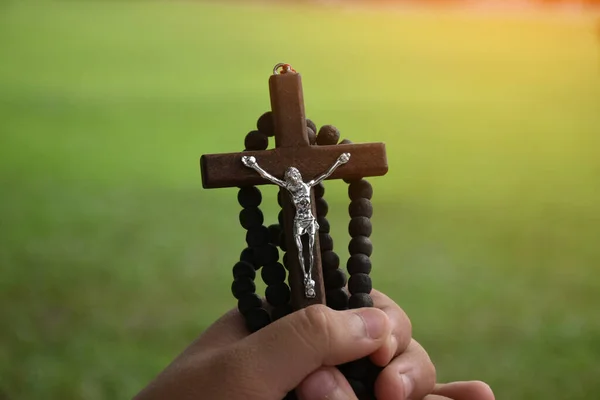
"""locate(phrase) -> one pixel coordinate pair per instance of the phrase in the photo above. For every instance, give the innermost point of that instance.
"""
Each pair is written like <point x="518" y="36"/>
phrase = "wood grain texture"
<point x="227" y="170"/>
<point x="287" y="104"/>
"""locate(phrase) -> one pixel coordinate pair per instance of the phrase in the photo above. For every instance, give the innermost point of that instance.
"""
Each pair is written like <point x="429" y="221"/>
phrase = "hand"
<point x="344" y="158"/>
<point x="473" y="390"/>
<point x="408" y="372"/>
<point x="249" y="161"/>
<point x="227" y="363"/>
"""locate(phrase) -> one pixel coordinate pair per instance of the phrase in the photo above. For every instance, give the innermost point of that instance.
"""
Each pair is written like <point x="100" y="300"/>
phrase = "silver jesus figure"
<point x="304" y="220"/>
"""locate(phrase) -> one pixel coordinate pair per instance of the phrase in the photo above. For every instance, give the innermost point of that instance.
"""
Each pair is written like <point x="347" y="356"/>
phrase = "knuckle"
<point x="402" y="329"/>
<point x="430" y="372"/>
<point x="409" y="326"/>
<point x="317" y="318"/>
<point x="483" y="390"/>
<point x="316" y="325"/>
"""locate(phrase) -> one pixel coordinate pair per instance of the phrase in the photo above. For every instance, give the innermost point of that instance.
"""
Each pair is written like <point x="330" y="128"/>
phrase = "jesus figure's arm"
<point x="250" y="162"/>
<point x="342" y="159"/>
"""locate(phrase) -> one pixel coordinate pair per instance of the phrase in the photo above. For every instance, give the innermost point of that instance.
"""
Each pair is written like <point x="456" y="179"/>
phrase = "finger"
<point x="228" y="329"/>
<point x="278" y="357"/>
<point x="325" y="383"/>
<point x="470" y="390"/>
<point x="401" y="329"/>
<point x="435" y="397"/>
<point x="410" y="375"/>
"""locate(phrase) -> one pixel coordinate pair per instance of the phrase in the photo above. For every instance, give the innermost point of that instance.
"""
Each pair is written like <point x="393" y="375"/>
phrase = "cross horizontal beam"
<point x="227" y="170"/>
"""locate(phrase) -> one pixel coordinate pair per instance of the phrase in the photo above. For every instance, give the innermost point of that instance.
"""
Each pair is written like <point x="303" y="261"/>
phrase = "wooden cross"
<point x="292" y="149"/>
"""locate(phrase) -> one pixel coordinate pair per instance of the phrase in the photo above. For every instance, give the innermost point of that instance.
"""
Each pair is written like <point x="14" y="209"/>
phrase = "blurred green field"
<point x="487" y="226"/>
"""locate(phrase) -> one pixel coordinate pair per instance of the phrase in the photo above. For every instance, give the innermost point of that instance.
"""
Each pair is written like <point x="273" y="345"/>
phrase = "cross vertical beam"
<point x="287" y="106"/>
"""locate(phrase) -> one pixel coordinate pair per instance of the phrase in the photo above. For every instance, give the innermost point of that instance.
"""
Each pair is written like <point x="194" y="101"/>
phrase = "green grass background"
<point x="486" y="229"/>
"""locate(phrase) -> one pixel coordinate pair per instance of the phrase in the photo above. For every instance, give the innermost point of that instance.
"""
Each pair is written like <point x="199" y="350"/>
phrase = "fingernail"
<point x="408" y="385"/>
<point x="374" y="321"/>
<point x="321" y="385"/>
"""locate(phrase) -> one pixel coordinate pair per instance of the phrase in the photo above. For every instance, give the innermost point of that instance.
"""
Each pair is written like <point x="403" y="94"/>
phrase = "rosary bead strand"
<point x="258" y="251"/>
<point x="249" y="197"/>
<point x="277" y="293"/>
<point x="248" y="256"/>
<point x="251" y="218"/>
<point x="312" y="136"/>
<point x="274" y="234"/>
<point x="257" y="237"/>
<point x="311" y="125"/>
<point x="249" y="301"/>
<point x="334" y="278"/>
<point x="330" y="260"/>
<point x="360" y="247"/>
<point x="273" y="273"/>
<point x="361" y="374"/>
<point x="244" y="269"/>
<point x="328" y="135"/>
<point x="256" y="140"/>
<point x="265" y="124"/>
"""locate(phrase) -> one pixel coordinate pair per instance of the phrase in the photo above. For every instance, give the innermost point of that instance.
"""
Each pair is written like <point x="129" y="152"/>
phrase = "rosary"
<point x="302" y="159"/>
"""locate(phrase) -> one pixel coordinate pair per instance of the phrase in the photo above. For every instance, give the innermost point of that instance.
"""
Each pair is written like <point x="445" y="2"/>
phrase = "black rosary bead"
<point x="311" y="125"/>
<point x="256" y="319"/>
<point x="373" y="372"/>
<point x="361" y="208"/>
<point x="280" y="195"/>
<point x="360" y="300"/>
<point x="322" y="207"/>
<point x="360" y="245"/>
<point x="251" y="218"/>
<point x="324" y="226"/>
<point x="360" y="283"/>
<point x="359" y="264"/>
<point x="285" y="261"/>
<point x="278" y="294"/>
<point x="337" y="299"/>
<point x="360" y="189"/>
<point x="242" y="286"/>
<point x="243" y="269"/>
<point x="265" y="124"/>
<point x="256" y="140"/>
<point x="280" y="218"/>
<point x="248" y="256"/>
<point x="357" y="369"/>
<point x="266" y="254"/>
<point x="360" y="226"/>
<point x="325" y="242"/>
<point x="328" y="135"/>
<point x="330" y="260"/>
<point x="257" y="237"/>
<point x="312" y="136"/>
<point x="346" y="141"/>
<point x="248" y="302"/>
<point x="360" y="389"/>
<point x="249" y="196"/>
<point x="319" y="190"/>
<point x="274" y="234"/>
<point x="281" y="311"/>
<point x="282" y="242"/>
<point x="334" y="278"/>
<point x="273" y="273"/>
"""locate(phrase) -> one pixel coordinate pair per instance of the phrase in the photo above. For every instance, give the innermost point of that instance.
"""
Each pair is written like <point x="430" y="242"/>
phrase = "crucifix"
<point x="297" y="166"/>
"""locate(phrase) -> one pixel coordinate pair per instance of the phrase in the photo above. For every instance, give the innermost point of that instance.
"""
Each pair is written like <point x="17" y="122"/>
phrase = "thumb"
<point x="276" y="359"/>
